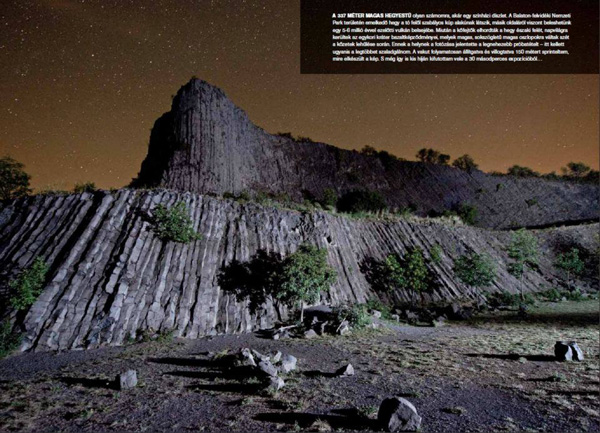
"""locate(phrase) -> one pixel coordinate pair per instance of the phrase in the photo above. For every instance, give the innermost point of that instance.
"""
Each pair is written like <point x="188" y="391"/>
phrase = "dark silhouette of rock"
<point x="206" y="144"/>
<point x="397" y="414"/>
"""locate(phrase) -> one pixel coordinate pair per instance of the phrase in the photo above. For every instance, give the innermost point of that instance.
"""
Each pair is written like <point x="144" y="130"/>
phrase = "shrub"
<point x="570" y="264"/>
<point x="436" y="254"/>
<point x="432" y="156"/>
<point x="467" y="213"/>
<point x="574" y="295"/>
<point x="475" y="270"/>
<point x="520" y="171"/>
<point x="329" y="199"/>
<point x="304" y="275"/>
<point x="14" y="182"/>
<point x="465" y="163"/>
<point x="552" y="295"/>
<point x="85" y="187"/>
<point x="361" y="201"/>
<point x="28" y="285"/>
<point x="357" y="315"/>
<point x="174" y="224"/>
<point x="376" y="304"/>
<point x="9" y="340"/>
<point x="507" y="299"/>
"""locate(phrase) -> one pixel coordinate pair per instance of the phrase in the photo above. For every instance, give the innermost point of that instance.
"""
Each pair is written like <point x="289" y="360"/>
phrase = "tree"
<point x="467" y="213"/>
<point x="475" y="270"/>
<point x="570" y="264"/>
<point x="466" y="163"/>
<point x="576" y="170"/>
<point x="409" y="272"/>
<point x="14" y="182"/>
<point x="304" y="275"/>
<point x="432" y="156"/>
<point x="523" y="250"/>
<point x="369" y="151"/>
<point x="174" y="224"/>
<point x="520" y="171"/>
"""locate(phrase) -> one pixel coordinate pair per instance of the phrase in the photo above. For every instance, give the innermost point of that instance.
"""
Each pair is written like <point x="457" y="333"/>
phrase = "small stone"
<point x="288" y="363"/>
<point x="395" y="317"/>
<point x="563" y="351"/>
<point x="376" y="314"/>
<point x="345" y="371"/>
<point x="310" y="334"/>
<point x="267" y="368"/>
<point x="576" y="350"/>
<point x="344" y="329"/>
<point x="127" y="380"/>
<point x="275" y="383"/>
<point x="257" y="355"/>
<point x="398" y="414"/>
<point x="276" y="358"/>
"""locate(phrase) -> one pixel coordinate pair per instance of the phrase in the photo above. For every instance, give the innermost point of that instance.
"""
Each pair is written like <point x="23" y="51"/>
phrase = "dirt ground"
<point x="493" y="373"/>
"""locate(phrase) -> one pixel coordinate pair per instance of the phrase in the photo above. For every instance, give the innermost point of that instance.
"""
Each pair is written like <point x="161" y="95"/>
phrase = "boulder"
<point x="563" y="351"/>
<point x="245" y="358"/>
<point x="576" y="351"/>
<point x="345" y="371"/>
<point x="344" y="328"/>
<point x="398" y="414"/>
<point x="310" y="334"/>
<point x="288" y="363"/>
<point x="267" y="368"/>
<point x="275" y="384"/>
<point x="395" y="317"/>
<point x="257" y="355"/>
<point x="127" y="380"/>
<point x="276" y="357"/>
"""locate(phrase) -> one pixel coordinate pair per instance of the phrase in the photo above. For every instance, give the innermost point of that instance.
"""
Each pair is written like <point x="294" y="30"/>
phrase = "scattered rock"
<point x="259" y="356"/>
<point x="275" y="384"/>
<point x="245" y="358"/>
<point x="267" y="368"/>
<point x="395" y="317"/>
<point x="288" y="363"/>
<point x="276" y="358"/>
<point x="348" y="370"/>
<point x="398" y="414"/>
<point x="563" y="351"/>
<point x="439" y="321"/>
<point x="344" y="328"/>
<point x="576" y="350"/>
<point x="376" y="314"/>
<point x="127" y="380"/>
<point x="310" y="334"/>
<point x="410" y="316"/>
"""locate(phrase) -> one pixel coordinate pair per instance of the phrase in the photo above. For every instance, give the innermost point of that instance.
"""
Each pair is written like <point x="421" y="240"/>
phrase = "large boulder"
<point x="398" y="414"/>
<point x="576" y="350"/>
<point x="563" y="351"/>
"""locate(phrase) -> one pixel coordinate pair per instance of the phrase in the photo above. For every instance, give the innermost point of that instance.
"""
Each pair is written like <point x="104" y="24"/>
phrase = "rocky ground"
<point x="494" y="373"/>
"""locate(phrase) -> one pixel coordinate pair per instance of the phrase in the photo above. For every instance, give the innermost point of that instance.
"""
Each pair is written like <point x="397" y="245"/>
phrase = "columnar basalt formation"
<point x="110" y="275"/>
<point x="206" y="144"/>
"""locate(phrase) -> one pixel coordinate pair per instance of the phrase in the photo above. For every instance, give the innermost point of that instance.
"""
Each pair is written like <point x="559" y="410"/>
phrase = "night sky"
<point x="81" y="83"/>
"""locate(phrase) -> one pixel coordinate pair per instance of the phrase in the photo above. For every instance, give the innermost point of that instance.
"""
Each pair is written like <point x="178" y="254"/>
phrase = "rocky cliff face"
<point x="206" y="144"/>
<point x="110" y="275"/>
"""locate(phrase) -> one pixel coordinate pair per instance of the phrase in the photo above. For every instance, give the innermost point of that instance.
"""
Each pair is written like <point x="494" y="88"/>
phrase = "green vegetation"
<point x="436" y="254"/>
<point x="475" y="270"/>
<point x="28" y="285"/>
<point x="570" y="264"/>
<point x="9" y="340"/>
<point x="465" y="163"/>
<point x="523" y="250"/>
<point x="85" y="187"/>
<point x="507" y="299"/>
<point x="361" y="201"/>
<point x="174" y="224"/>
<point x="304" y="275"/>
<point x="329" y="199"/>
<point x="431" y="156"/>
<point x="14" y="182"/>
<point x="357" y="315"/>
<point x="409" y="273"/>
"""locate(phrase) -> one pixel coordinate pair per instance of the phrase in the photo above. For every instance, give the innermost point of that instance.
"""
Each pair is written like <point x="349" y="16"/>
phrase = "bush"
<point x="28" y="285"/>
<point x="376" y="304"/>
<point x="574" y="295"/>
<point x="570" y="264"/>
<point x="85" y="187"/>
<point x="329" y="199"/>
<point x="436" y="254"/>
<point x="520" y="171"/>
<point x="432" y="156"/>
<point x="14" y="182"/>
<point x="552" y="295"/>
<point x="361" y="201"/>
<point x="9" y="340"/>
<point x="507" y="299"/>
<point x="475" y="270"/>
<point x="467" y="213"/>
<point x="357" y="315"/>
<point x="174" y="224"/>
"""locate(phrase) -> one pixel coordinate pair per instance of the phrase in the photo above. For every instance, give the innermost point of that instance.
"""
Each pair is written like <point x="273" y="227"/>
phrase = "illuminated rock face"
<point x="207" y="145"/>
<point x="110" y="275"/>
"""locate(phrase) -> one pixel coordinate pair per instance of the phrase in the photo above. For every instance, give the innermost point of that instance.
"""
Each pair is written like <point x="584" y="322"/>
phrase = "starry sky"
<point x="82" y="82"/>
